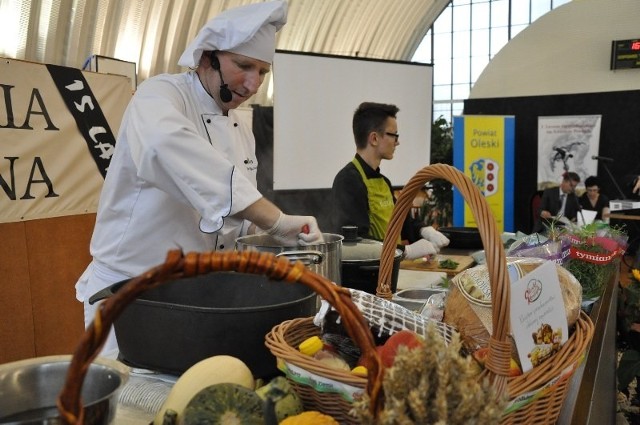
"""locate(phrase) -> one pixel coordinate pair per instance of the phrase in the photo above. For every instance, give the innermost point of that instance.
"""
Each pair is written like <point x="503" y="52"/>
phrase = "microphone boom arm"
<point x="615" y="183"/>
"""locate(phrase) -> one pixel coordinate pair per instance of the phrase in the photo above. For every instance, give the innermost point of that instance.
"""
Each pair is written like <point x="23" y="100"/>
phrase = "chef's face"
<point x="388" y="139"/>
<point x="242" y="74"/>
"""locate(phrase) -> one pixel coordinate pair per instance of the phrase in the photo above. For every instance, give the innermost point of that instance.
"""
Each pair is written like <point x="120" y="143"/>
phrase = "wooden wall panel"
<point x="58" y="252"/>
<point x="40" y="262"/>
<point x="16" y="313"/>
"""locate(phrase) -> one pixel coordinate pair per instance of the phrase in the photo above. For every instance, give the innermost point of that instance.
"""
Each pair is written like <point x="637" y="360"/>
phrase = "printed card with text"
<point x="538" y="319"/>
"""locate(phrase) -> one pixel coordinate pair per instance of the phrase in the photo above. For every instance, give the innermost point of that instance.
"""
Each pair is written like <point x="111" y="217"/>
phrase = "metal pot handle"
<point x="305" y="257"/>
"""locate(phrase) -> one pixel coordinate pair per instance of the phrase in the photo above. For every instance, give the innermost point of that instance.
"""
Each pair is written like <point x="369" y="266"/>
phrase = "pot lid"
<point x="355" y="248"/>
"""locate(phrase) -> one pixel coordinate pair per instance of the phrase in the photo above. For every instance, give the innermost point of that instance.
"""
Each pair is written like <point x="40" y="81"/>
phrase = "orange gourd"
<point x="311" y="417"/>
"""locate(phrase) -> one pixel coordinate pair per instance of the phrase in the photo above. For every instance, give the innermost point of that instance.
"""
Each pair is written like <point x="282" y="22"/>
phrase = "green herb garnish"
<point x="592" y="277"/>
<point x="445" y="282"/>
<point x="448" y="264"/>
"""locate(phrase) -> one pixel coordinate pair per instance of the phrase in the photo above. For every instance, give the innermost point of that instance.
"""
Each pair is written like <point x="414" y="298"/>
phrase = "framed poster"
<point x="567" y="143"/>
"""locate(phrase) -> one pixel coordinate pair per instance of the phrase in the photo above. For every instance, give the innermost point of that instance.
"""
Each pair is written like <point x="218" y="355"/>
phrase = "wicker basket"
<point x="326" y="389"/>
<point x="179" y="266"/>
<point x="282" y="341"/>
<point x="536" y="396"/>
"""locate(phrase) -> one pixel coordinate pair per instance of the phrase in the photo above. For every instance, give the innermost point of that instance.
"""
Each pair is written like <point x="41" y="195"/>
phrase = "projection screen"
<point x="313" y="104"/>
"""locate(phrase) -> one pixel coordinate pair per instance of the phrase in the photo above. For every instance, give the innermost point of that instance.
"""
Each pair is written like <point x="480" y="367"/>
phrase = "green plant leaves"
<point x="628" y="369"/>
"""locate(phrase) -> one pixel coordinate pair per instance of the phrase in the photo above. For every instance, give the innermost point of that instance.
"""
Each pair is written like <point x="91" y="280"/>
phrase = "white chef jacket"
<point x="180" y="171"/>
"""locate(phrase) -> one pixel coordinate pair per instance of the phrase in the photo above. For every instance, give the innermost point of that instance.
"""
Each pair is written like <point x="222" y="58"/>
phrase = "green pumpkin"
<point x="224" y="404"/>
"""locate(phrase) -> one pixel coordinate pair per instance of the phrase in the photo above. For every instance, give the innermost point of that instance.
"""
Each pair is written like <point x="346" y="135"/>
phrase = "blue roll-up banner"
<point x="483" y="149"/>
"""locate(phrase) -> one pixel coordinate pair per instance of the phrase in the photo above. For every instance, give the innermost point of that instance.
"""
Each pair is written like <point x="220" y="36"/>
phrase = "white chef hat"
<point x="247" y="30"/>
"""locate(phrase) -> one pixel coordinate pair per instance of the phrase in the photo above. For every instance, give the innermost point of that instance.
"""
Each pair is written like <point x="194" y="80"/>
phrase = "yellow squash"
<point x="207" y="372"/>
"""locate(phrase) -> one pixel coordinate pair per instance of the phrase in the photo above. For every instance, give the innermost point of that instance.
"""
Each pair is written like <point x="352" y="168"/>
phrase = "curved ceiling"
<point x="153" y="33"/>
<point x="536" y="63"/>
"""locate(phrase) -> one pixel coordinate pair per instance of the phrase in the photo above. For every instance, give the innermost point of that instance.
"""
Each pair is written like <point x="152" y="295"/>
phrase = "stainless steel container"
<point x="323" y="258"/>
<point x="29" y="390"/>
<point x="416" y="298"/>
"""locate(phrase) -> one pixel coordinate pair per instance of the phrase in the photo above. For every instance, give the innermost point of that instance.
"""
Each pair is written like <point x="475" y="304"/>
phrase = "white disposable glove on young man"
<point x="435" y="237"/>
<point x="419" y="249"/>
<point x="292" y="230"/>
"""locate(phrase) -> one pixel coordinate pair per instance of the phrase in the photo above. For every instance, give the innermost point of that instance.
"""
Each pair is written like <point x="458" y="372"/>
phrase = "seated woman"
<point x="593" y="200"/>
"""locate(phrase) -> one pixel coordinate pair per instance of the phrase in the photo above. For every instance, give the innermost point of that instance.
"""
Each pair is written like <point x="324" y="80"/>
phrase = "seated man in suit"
<point x="558" y="202"/>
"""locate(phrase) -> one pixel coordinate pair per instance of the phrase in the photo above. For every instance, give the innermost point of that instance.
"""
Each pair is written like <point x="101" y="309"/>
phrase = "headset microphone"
<point x="225" y="93"/>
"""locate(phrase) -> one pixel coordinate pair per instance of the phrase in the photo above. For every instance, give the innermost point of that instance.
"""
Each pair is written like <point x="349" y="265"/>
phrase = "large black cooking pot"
<point x="173" y="326"/>
<point x="462" y="237"/>
<point x="360" y="265"/>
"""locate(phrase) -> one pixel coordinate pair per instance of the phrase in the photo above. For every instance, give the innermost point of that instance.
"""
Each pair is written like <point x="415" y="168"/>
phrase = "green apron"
<point x="380" y="203"/>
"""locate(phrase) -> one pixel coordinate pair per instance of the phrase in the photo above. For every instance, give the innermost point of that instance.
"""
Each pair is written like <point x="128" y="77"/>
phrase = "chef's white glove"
<point x="419" y="249"/>
<point x="292" y="230"/>
<point x="433" y="236"/>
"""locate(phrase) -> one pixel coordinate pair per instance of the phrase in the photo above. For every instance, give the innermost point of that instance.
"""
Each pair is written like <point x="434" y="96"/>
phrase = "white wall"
<point x="566" y="51"/>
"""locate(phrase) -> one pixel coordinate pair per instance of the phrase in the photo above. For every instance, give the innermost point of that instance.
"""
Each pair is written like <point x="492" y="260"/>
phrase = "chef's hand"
<point x="292" y="230"/>
<point x="419" y="249"/>
<point x="433" y="236"/>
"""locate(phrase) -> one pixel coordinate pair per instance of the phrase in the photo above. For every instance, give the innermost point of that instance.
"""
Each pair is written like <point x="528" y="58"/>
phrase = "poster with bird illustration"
<point x="567" y="143"/>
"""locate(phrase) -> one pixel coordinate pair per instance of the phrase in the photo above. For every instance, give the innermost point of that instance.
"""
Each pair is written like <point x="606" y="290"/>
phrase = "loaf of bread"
<point x="468" y="306"/>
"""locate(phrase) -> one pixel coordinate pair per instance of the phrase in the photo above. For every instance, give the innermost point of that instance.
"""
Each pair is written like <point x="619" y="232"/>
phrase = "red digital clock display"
<point x="625" y="54"/>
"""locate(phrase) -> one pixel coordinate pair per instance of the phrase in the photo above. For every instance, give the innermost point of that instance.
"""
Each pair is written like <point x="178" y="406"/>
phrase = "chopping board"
<point x="464" y="262"/>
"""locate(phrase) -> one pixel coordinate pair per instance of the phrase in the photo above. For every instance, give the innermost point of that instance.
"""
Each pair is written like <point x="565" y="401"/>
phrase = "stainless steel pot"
<point x="323" y="258"/>
<point x="29" y="390"/>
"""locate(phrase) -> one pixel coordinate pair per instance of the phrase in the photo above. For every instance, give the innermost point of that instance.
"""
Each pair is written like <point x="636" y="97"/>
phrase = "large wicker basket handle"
<point x="178" y="266"/>
<point x="499" y="345"/>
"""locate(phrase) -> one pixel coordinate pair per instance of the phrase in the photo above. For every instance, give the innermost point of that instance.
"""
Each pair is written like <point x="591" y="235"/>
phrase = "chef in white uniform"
<point x="183" y="174"/>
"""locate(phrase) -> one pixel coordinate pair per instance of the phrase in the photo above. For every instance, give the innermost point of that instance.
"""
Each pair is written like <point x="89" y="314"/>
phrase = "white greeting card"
<point x="538" y="319"/>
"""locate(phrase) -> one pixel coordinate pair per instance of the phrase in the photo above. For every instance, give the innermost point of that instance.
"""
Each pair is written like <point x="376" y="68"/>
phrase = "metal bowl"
<point x="415" y="298"/>
<point x="29" y="389"/>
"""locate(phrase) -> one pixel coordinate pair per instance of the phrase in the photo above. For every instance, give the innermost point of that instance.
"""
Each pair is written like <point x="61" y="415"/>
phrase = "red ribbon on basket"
<point x="613" y="248"/>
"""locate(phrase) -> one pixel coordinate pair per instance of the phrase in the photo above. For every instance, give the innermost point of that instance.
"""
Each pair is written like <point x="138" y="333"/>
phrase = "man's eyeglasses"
<point x="396" y="135"/>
